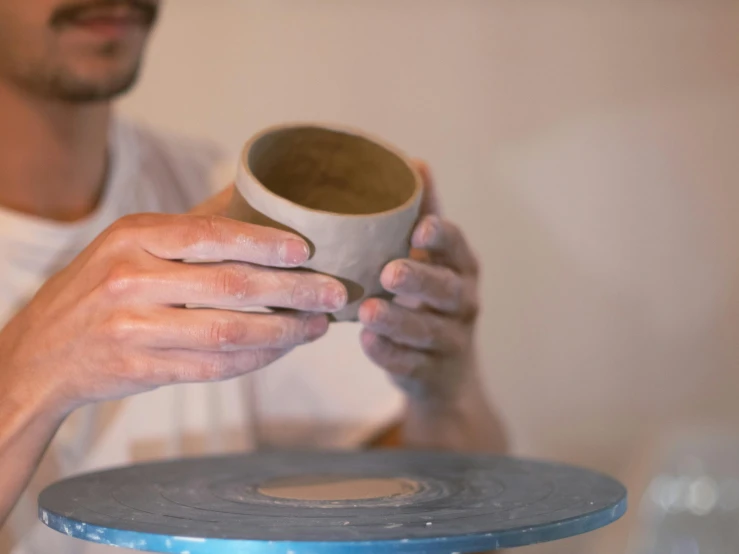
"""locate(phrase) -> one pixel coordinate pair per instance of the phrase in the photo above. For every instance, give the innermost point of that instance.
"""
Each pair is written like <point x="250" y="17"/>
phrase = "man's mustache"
<point x="145" y="10"/>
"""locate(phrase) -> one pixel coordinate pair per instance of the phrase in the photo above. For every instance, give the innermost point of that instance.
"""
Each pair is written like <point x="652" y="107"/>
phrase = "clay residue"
<point x="331" y="488"/>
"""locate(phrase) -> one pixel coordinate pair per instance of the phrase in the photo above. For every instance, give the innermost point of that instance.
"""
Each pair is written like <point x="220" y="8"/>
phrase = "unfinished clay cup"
<point x="354" y="198"/>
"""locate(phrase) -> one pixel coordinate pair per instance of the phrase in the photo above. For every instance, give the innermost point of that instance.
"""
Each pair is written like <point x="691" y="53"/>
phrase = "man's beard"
<point x="61" y="83"/>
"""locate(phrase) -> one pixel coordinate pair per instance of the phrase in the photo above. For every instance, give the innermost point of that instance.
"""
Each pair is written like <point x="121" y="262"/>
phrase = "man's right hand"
<point x="113" y="322"/>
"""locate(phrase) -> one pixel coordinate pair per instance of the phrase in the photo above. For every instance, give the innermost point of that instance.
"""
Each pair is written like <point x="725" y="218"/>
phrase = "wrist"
<point x="31" y="398"/>
<point x="25" y="385"/>
<point x="435" y="409"/>
<point x="457" y="417"/>
<point x="436" y="412"/>
<point x="443" y="388"/>
<point x="433" y="423"/>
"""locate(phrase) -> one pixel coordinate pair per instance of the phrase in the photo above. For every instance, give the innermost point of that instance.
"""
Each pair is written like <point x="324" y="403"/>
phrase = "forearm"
<point x="27" y="425"/>
<point x="463" y="421"/>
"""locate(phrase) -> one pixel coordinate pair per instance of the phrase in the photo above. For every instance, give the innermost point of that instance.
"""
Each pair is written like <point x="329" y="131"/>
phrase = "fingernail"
<point x="365" y="312"/>
<point x="293" y="252"/>
<point x="334" y="296"/>
<point x="316" y="327"/>
<point x="429" y="231"/>
<point x="400" y="275"/>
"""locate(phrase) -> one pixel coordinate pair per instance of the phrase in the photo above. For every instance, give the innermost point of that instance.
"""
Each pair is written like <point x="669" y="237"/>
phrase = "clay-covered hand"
<point x="114" y="321"/>
<point x="424" y="337"/>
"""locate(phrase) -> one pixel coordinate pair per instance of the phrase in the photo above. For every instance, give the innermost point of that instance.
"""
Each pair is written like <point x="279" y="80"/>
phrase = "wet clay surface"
<point x="327" y="488"/>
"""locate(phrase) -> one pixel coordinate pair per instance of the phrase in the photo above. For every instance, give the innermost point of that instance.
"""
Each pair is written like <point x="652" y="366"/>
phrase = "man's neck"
<point x="53" y="155"/>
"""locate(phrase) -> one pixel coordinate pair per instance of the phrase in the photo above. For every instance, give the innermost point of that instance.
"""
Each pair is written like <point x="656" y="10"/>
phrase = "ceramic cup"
<point x="352" y="197"/>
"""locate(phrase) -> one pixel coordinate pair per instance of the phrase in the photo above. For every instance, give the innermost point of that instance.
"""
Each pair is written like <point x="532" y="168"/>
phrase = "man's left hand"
<point x="424" y="337"/>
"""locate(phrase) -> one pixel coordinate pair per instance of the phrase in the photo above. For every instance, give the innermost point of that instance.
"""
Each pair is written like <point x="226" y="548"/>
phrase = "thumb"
<point x="430" y="202"/>
<point x="215" y="205"/>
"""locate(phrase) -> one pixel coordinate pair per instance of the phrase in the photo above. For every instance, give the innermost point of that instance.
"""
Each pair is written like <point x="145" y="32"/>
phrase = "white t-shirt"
<point x="326" y="394"/>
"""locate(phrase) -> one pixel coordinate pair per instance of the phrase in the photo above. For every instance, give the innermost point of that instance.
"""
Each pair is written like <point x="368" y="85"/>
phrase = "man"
<point x="92" y="298"/>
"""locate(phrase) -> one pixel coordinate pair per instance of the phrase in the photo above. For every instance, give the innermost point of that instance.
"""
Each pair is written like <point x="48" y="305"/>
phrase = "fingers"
<point x="227" y="285"/>
<point x="167" y="367"/>
<point x="445" y="244"/>
<point x="436" y="286"/>
<point x="397" y="359"/>
<point x="207" y="238"/>
<point x="412" y="328"/>
<point x="430" y="202"/>
<point x="225" y="331"/>
<point x="444" y="241"/>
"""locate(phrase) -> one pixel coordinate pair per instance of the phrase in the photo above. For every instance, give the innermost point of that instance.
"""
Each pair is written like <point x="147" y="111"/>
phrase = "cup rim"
<point x="343" y="129"/>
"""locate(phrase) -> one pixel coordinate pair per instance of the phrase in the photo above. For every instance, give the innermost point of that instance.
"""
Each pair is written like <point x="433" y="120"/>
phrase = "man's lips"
<point x="109" y="22"/>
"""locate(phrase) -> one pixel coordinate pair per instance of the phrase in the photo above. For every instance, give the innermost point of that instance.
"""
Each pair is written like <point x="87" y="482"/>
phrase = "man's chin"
<point x="79" y="90"/>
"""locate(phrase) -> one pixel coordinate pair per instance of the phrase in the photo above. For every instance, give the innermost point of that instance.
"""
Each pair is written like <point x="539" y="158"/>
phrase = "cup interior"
<point x="331" y="171"/>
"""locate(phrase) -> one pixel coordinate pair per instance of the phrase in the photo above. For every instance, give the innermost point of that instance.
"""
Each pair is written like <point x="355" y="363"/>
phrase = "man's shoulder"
<point x="193" y="167"/>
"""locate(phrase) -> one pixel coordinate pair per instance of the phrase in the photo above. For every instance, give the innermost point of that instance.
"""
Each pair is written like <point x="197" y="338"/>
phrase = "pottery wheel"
<point x="332" y="502"/>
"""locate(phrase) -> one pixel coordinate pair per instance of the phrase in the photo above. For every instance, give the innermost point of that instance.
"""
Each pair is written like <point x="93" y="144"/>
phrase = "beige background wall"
<point x="589" y="148"/>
